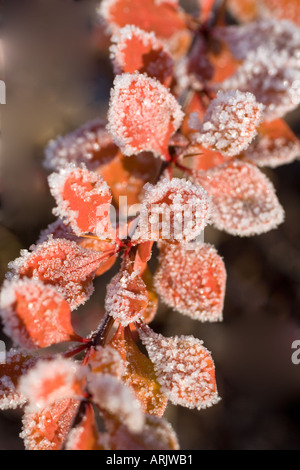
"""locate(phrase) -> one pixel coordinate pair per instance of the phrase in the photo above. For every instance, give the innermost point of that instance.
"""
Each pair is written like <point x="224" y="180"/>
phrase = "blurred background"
<point x="56" y="80"/>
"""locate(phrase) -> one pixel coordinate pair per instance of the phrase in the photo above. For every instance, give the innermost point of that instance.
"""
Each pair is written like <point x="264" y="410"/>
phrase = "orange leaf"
<point x="85" y="435"/>
<point x="136" y="50"/>
<point x="17" y="363"/>
<point x="83" y="199"/>
<point x="35" y="315"/>
<point x="246" y="10"/>
<point x="48" y="428"/>
<point x="282" y="9"/>
<point x="142" y="115"/>
<point x="192" y="280"/>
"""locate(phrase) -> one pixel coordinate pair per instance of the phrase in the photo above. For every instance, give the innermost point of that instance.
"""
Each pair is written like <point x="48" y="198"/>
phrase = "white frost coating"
<point x="126" y="299"/>
<point x="230" y="122"/>
<point x="161" y="65"/>
<point x="61" y="263"/>
<point x="81" y="146"/>
<point x="44" y="309"/>
<point x="173" y="210"/>
<point x="142" y="114"/>
<point x="17" y="363"/>
<point x="117" y="399"/>
<point x="51" y="381"/>
<point x="64" y="208"/>
<point x="272" y="152"/>
<point x="275" y="36"/>
<point x="274" y="79"/>
<point x="107" y="360"/>
<point x="243" y="199"/>
<point x="183" y="367"/>
<point x="192" y="282"/>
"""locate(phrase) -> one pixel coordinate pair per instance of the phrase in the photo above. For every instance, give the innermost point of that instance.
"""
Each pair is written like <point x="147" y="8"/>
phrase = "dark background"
<point x="56" y="80"/>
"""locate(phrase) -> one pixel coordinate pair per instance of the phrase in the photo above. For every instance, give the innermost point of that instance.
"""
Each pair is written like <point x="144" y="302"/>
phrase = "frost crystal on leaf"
<point x="63" y="264"/>
<point x="51" y="381"/>
<point x="91" y="144"/>
<point x="106" y="361"/>
<point x="244" y="200"/>
<point x="127" y="297"/>
<point x="136" y="50"/>
<point x="35" y="315"/>
<point x="17" y="363"/>
<point x="192" y="280"/>
<point x="115" y="398"/>
<point x="184" y="368"/>
<point x="83" y="200"/>
<point x="48" y="428"/>
<point x="173" y="210"/>
<point x="230" y="122"/>
<point x="142" y="115"/>
<point x="274" y="79"/>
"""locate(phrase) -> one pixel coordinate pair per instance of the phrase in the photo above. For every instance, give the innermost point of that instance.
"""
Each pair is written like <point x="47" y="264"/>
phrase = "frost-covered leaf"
<point x="192" y="280"/>
<point x="16" y="364"/>
<point x="152" y="305"/>
<point x="127" y="298"/>
<point x="161" y="16"/>
<point x="91" y="144"/>
<point x="85" y="436"/>
<point x="52" y="381"/>
<point x="288" y="9"/>
<point x="63" y="264"/>
<point x="116" y="400"/>
<point x="244" y="202"/>
<point x="139" y="374"/>
<point x="143" y="114"/>
<point x="83" y="200"/>
<point x="59" y="229"/>
<point x="276" y="36"/>
<point x="137" y="50"/>
<point x="274" y="79"/>
<point x="157" y="434"/>
<point x="184" y="368"/>
<point x="230" y="122"/>
<point x="48" y="428"/>
<point x="275" y="145"/>
<point x="34" y="314"/>
<point x="172" y="210"/>
<point x="106" y="360"/>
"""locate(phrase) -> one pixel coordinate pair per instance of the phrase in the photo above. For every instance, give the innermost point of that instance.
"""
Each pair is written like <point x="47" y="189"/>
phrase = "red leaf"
<point x="106" y="360"/>
<point x="85" y="436"/>
<point x="282" y="9"/>
<point x="35" y="315"/>
<point x="247" y="10"/>
<point x="91" y="144"/>
<point x="275" y="145"/>
<point x="157" y="434"/>
<point x="163" y="17"/>
<point x="172" y="210"/>
<point x="63" y="264"/>
<point x="192" y="280"/>
<point x="206" y="8"/>
<point x="83" y="199"/>
<point x="184" y="368"/>
<point x="17" y="363"/>
<point x="244" y="200"/>
<point x="136" y="50"/>
<point x="230" y="122"/>
<point x="48" y="428"/>
<point x="127" y="296"/>
<point x="142" y="115"/>
<point x="52" y="381"/>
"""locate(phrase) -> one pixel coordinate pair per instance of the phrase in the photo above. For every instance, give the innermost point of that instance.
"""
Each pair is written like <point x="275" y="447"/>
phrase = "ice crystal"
<point x="142" y="114"/>
<point x="192" y="281"/>
<point x="230" y="122"/>
<point x="244" y="200"/>
<point x="106" y="361"/>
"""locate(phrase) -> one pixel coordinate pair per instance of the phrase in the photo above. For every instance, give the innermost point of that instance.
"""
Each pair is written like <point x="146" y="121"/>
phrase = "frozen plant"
<point x="191" y="95"/>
